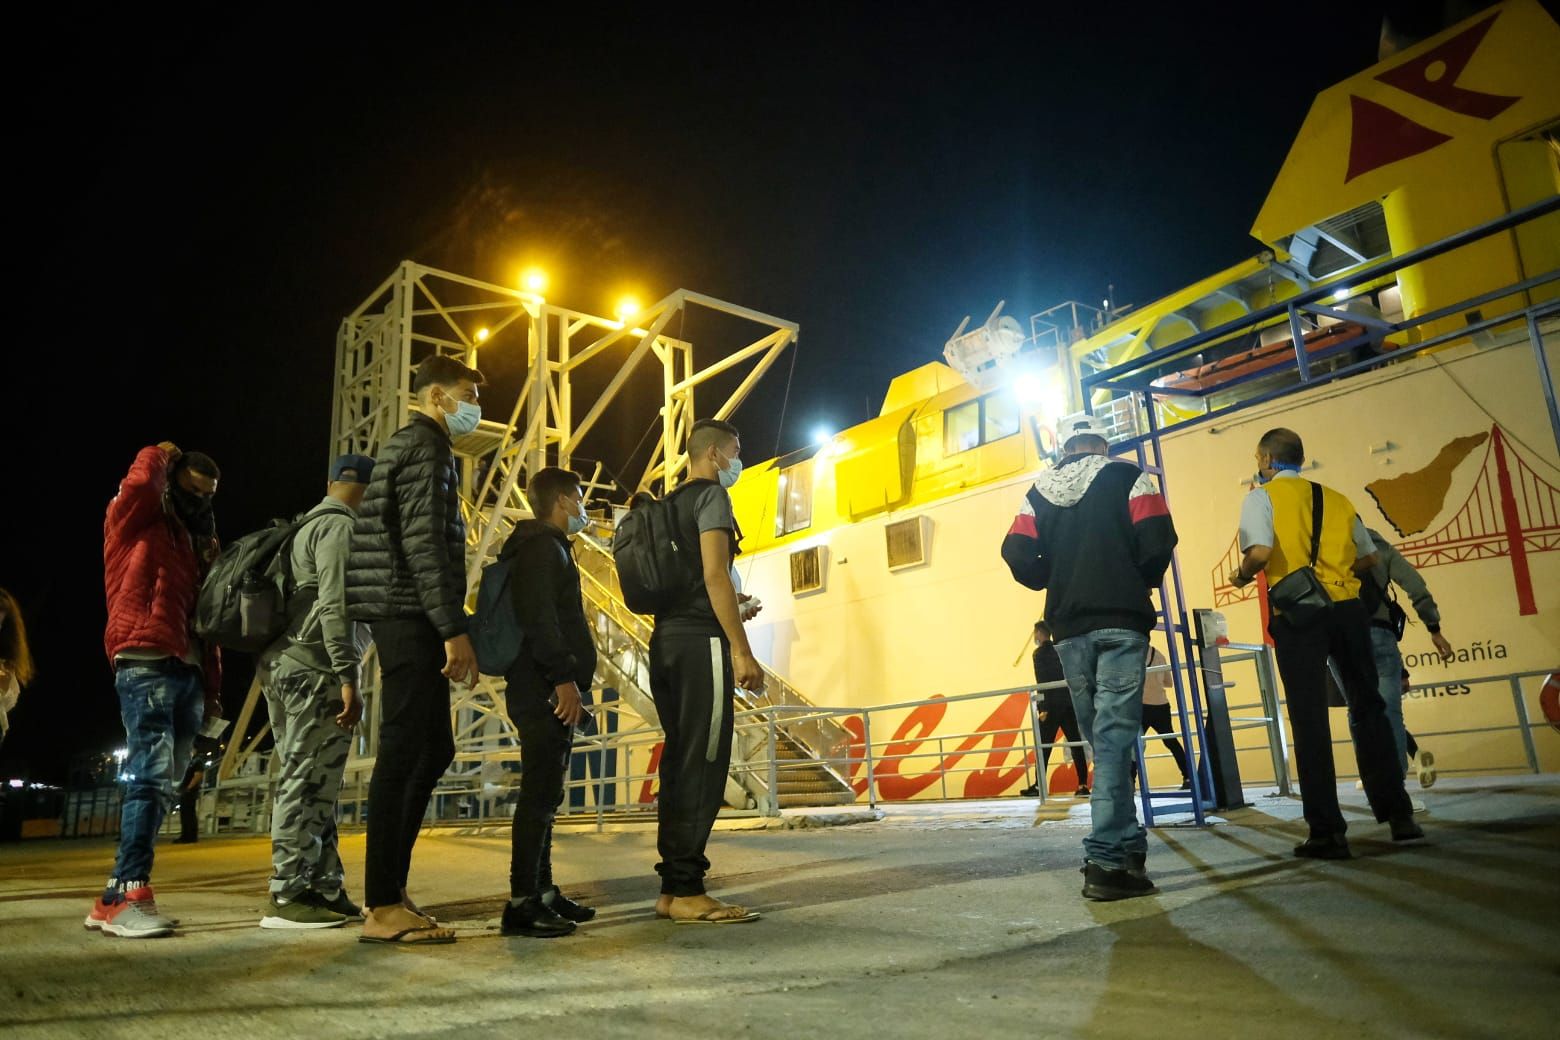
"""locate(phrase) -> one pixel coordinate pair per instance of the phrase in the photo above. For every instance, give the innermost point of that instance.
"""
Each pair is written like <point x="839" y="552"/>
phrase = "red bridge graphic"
<point x="1511" y="511"/>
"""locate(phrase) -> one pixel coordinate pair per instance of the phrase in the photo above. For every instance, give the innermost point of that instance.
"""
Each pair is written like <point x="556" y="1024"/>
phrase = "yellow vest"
<point x="1292" y="525"/>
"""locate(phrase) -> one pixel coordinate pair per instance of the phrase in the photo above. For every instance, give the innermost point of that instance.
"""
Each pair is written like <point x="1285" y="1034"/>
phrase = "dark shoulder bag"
<point x="1300" y="598"/>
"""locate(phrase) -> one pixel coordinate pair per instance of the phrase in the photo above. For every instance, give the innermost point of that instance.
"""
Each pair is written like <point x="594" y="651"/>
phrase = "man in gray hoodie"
<point x="310" y="679"/>
<point x="1386" y="616"/>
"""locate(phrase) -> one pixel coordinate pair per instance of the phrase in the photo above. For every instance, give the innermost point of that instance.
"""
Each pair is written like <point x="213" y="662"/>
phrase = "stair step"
<point x="808" y="786"/>
<point x="796" y="801"/>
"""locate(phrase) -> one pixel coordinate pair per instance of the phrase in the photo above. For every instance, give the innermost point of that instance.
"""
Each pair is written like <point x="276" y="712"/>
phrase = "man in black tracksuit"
<point x="406" y="576"/>
<point x="699" y="654"/>
<point x="557" y="662"/>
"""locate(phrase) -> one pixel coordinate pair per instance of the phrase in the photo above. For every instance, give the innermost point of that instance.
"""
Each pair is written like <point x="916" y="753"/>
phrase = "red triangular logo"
<point x="1433" y="76"/>
<point x="1380" y="136"/>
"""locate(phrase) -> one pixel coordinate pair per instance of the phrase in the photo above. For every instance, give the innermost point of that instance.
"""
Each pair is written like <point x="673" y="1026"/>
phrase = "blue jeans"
<point x="162" y="704"/>
<point x="1389" y="677"/>
<point x="1104" y="671"/>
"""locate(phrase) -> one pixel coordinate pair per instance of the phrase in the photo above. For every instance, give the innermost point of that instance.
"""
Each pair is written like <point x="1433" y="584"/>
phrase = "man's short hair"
<point x="550" y="484"/>
<point x="708" y="433"/>
<point x="1282" y="445"/>
<point x="443" y="370"/>
<point x="1041" y="626"/>
<point x="198" y="462"/>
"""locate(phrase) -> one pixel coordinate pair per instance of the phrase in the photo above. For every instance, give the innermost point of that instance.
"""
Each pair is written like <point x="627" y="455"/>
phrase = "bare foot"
<point x="384" y="922"/>
<point x="703" y="907"/>
<point x="406" y="901"/>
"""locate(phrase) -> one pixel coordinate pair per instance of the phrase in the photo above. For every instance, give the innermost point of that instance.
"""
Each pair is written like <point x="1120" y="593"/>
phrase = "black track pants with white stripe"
<point x="690" y="681"/>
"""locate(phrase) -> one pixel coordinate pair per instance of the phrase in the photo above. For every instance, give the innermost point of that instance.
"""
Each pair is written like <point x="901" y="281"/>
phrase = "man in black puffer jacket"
<point x="407" y="579"/>
<point x="557" y="661"/>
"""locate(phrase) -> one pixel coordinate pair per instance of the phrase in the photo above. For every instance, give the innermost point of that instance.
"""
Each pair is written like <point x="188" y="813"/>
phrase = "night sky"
<point x="200" y="204"/>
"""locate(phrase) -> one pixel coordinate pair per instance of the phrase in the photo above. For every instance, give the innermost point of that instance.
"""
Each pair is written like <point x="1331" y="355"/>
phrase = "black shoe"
<point x="1032" y="791"/>
<point x="1324" y="846"/>
<point x="1082" y="792"/>
<point x="1107" y="883"/>
<point x="1186" y="784"/>
<point x="533" y="918"/>
<point x="342" y="904"/>
<point x="1405" y="829"/>
<point x="566" y="908"/>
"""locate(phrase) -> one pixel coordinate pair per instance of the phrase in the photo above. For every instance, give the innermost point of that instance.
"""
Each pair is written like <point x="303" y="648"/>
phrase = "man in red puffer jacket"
<point x="158" y="540"/>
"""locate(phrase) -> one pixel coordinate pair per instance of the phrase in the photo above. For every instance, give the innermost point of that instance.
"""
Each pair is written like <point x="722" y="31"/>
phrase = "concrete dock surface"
<point x="942" y="920"/>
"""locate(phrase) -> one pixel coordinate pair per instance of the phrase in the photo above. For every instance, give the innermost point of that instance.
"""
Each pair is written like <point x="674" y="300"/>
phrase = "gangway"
<point x="419" y="312"/>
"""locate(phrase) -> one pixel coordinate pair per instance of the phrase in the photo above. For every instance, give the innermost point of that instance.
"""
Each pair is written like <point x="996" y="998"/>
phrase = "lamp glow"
<point x="627" y="308"/>
<point x="822" y="435"/>
<point x="534" y="280"/>
<point x="482" y="335"/>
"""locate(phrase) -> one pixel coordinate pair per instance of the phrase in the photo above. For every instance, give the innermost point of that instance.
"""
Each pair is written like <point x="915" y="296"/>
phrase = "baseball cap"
<point x="1079" y="425"/>
<point x="354" y="469"/>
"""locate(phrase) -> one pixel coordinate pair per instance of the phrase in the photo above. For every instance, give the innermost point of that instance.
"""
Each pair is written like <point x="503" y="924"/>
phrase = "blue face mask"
<point x="577" y="522"/>
<point x="1279" y="467"/>
<point x="464" y="419"/>
<point x="729" y="475"/>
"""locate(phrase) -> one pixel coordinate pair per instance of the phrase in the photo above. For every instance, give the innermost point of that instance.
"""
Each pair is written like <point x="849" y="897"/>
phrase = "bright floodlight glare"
<point x="1341" y="294"/>
<point x="482" y="335"/>
<point x="534" y="280"/>
<point x="627" y="307"/>
<point x="822" y="435"/>
<point x="1029" y="388"/>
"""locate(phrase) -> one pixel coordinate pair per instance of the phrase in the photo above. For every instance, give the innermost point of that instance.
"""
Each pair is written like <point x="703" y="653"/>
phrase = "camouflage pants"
<point x="311" y="755"/>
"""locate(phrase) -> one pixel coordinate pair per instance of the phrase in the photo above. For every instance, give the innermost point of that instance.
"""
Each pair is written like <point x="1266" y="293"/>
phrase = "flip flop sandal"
<point x="400" y="938"/>
<point x="709" y="916"/>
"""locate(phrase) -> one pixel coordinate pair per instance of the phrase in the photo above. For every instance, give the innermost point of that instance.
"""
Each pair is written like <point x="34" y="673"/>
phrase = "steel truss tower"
<point x="418" y="312"/>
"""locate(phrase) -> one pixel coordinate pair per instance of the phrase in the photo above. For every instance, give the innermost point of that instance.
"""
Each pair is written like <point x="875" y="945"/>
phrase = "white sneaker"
<point x="1419" y="806"/>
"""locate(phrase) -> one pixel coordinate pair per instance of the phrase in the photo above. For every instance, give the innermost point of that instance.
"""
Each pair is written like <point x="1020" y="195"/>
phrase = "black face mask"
<point x="194" y="510"/>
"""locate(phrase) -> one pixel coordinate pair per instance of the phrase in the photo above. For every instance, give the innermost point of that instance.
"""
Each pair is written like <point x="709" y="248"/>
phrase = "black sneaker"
<point x="1108" y="883"/>
<point x="1033" y="791"/>
<point x="1082" y="792"/>
<point x="342" y="904"/>
<point x="533" y="918"/>
<point x="566" y="908"/>
<point x="1405" y="829"/>
<point x="1324" y="846"/>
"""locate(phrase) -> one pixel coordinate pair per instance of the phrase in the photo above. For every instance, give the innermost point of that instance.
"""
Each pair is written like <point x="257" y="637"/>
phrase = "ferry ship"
<point x="875" y="551"/>
<point x="1401" y="313"/>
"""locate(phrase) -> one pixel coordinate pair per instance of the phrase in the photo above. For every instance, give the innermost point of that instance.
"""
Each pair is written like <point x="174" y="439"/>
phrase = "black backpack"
<point x="656" y="570"/>
<point x="495" y="630"/>
<point x="242" y="604"/>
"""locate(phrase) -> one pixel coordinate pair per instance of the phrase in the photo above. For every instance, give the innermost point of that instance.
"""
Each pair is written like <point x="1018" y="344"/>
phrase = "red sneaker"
<point x="133" y="916"/>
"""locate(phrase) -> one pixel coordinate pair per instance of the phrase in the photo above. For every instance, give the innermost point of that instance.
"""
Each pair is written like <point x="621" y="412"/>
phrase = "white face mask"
<point x="577" y="522"/>
<point x="729" y="475"/>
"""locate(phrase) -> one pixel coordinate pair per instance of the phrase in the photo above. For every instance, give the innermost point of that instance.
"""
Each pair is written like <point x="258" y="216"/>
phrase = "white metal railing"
<point x="866" y="762"/>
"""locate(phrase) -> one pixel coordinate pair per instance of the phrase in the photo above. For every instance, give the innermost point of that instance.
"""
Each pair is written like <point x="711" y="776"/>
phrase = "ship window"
<point x="807" y="570"/>
<point x="793" y="511"/>
<point x="999" y="417"/>
<point x="981" y="421"/>
<point x="961" y="428"/>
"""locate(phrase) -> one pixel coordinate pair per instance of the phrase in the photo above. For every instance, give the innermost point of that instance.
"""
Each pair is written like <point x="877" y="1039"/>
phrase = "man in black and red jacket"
<point x="1096" y="536"/>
